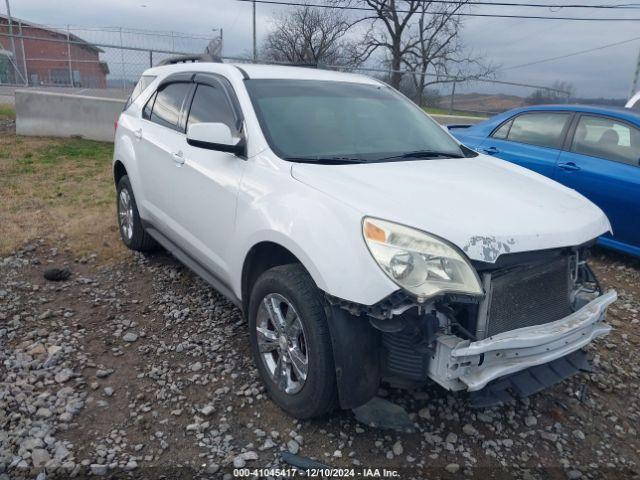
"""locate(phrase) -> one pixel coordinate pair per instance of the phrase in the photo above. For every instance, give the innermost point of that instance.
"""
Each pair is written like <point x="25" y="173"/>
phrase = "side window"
<point x="140" y="87"/>
<point x="211" y="104"/>
<point x="146" y="111"/>
<point x="540" y="128"/>
<point x="607" y="138"/>
<point x="168" y="104"/>
<point x="502" y="131"/>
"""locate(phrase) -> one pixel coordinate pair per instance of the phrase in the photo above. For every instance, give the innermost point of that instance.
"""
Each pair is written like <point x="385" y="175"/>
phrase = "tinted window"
<point x="607" y="138"/>
<point x="312" y="119"/>
<point x="210" y="104"/>
<point x="541" y="128"/>
<point x="142" y="84"/>
<point x="168" y="104"/>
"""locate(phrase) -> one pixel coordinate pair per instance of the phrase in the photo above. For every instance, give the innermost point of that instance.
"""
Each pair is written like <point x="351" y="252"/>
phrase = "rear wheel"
<point x="132" y="232"/>
<point x="290" y="342"/>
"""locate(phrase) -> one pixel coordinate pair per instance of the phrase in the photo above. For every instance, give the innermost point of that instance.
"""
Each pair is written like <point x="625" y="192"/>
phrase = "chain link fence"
<point x="87" y="58"/>
<point x="109" y="61"/>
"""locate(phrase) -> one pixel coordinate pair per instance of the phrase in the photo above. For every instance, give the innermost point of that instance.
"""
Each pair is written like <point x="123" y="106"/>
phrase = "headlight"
<point x="422" y="264"/>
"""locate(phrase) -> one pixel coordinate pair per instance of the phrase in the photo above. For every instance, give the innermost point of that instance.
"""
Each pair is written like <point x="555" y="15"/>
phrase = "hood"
<point x="485" y="206"/>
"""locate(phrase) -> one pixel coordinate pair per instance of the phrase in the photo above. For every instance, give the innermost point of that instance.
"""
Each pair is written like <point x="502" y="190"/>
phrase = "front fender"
<point x="322" y="233"/>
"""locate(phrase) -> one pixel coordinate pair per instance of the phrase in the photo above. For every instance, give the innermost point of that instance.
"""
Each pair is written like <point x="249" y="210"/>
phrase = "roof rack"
<point x="204" y="57"/>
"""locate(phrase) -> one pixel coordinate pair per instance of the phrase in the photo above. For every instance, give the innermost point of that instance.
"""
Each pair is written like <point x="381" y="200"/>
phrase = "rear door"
<point x="601" y="162"/>
<point x="531" y="139"/>
<point x="159" y="147"/>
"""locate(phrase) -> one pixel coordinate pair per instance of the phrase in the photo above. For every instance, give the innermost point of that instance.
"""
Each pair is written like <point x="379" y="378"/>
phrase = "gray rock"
<point x="63" y="375"/>
<point x="130" y="337"/>
<point x="381" y="413"/>
<point x="397" y="448"/>
<point x="98" y="469"/>
<point x="452" y="468"/>
<point x="293" y="446"/>
<point x="39" y="457"/>
<point x="530" y="421"/>
<point x="469" y="429"/>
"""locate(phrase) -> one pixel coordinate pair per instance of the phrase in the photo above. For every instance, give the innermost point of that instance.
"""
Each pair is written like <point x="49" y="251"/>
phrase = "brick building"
<point x="49" y="59"/>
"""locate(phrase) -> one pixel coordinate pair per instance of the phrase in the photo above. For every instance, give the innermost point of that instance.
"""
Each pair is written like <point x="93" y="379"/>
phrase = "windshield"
<point x="309" y="120"/>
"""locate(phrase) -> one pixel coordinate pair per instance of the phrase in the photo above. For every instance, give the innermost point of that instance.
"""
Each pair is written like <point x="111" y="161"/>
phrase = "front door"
<point x="206" y="185"/>
<point x="532" y="140"/>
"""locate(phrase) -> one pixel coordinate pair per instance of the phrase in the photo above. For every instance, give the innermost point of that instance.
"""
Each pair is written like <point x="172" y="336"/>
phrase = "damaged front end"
<point x="526" y="332"/>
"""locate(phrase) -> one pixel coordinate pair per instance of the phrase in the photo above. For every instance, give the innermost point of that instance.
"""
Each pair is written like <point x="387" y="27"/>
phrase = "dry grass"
<point x="60" y="190"/>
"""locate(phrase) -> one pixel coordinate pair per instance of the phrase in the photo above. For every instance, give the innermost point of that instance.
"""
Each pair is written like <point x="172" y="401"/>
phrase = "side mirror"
<point x="214" y="136"/>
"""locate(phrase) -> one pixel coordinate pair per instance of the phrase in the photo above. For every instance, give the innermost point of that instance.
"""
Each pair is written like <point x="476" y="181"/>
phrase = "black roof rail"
<point x="204" y="57"/>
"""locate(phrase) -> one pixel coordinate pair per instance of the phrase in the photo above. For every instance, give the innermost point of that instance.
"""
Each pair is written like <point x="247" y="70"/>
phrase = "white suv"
<point x="361" y="241"/>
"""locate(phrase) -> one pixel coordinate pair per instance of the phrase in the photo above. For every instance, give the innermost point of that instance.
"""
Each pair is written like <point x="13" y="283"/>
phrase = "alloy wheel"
<point x="125" y="213"/>
<point x="282" y="343"/>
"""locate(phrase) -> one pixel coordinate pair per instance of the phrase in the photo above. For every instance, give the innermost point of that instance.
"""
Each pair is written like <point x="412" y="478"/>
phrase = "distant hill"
<point x="483" y="102"/>
<point x="497" y="103"/>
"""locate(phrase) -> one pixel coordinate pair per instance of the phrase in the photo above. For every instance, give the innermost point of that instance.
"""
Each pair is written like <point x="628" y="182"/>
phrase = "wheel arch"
<point x="261" y="257"/>
<point x="119" y="171"/>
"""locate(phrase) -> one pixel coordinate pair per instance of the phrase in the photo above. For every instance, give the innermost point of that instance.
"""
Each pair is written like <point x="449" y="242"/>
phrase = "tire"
<point x="289" y="286"/>
<point x="132" y="233"/>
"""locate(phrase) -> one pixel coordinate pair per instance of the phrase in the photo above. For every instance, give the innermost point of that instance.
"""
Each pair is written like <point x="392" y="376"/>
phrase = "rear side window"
<point x="545" y="129"/>
<point x="140" y="87"/>
<point x="502" y="131"/>
<point x="607" y="138"/>
<point x="165" y="106"/>
<point x="211" y="104"/>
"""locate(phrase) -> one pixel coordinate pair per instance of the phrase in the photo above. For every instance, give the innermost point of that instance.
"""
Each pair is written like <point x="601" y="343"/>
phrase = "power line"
<point x="458" y="14"/>
<point x="581" y="52"/>
<point x="621" y="6"/>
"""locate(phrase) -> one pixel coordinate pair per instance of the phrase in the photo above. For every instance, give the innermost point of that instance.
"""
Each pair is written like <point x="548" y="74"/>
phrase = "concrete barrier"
<point x="55" y="114"/>
<point x="62" y="115"/>
<point x="456" y="120"/>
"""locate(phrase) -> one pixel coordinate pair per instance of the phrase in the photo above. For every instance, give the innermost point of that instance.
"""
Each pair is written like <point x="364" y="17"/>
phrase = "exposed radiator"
<point x="523" y="296"/>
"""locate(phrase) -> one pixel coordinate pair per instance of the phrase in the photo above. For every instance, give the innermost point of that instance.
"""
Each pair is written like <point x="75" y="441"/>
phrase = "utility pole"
<point x="12" y="40"/>
<point x="221" y="43"/>
<point x="636" y="77"/>
<point x="255" y="50"/>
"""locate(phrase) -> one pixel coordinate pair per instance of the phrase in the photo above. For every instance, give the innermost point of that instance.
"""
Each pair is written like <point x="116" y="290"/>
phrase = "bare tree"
<point x="553" y="95"/>
<point x="311" y="35"/>
<point x="421" y="36"/>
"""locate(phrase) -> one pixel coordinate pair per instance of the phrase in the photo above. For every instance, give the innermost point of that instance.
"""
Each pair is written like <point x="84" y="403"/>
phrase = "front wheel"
<point x="290" y="342"/>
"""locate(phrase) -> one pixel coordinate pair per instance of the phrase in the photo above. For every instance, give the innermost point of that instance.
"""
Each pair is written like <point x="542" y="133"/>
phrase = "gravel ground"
<point x="140" y="370"/>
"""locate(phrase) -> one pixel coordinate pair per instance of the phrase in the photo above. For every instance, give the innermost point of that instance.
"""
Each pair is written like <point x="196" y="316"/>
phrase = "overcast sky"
<point x="508" y="42"/>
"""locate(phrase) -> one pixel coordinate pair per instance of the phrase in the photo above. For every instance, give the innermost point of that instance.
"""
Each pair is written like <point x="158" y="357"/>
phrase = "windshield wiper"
<point x="420" y="154"/>
<point x="326" y="160"/>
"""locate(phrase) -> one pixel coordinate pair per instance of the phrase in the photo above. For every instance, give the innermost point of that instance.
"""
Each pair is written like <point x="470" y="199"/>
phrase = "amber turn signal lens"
<point x="373" y="232"/>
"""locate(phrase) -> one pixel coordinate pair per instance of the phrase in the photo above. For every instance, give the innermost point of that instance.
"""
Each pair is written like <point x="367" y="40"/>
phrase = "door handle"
<point x="569" y="166"/>
<point x="178" y="157"/>
<point x="138" y="133"/>
<point x="491" y="150"/>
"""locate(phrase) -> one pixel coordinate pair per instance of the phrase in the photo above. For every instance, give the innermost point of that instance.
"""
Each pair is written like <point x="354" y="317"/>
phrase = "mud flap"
<point x="356" y="353"/>
<point x="530" y="381"/>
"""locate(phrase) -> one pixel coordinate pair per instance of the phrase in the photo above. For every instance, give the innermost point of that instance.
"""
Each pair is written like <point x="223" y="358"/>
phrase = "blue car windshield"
<point x="309" y="120"/>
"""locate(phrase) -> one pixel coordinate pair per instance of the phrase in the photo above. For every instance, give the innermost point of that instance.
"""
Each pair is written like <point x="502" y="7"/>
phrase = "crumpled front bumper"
<point x="464" y="365"/>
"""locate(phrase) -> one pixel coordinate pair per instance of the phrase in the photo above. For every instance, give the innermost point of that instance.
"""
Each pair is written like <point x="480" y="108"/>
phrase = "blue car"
<point x="594" y="150"/>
